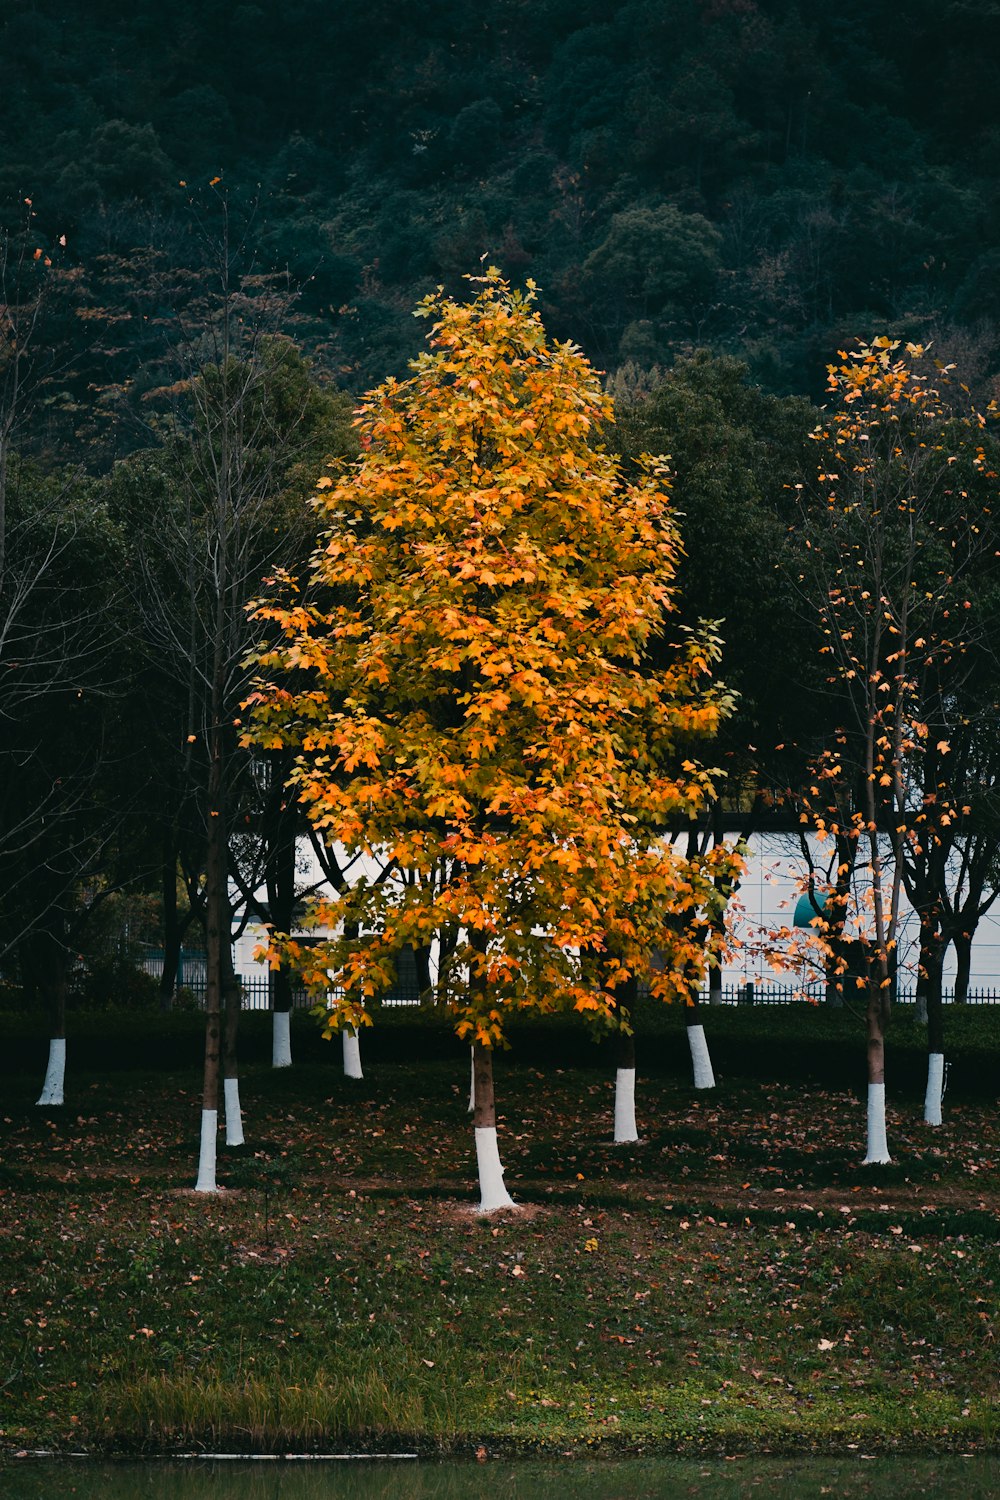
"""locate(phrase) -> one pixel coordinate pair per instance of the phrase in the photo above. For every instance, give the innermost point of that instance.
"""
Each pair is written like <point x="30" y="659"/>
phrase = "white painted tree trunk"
<point x="206" y="1156"/>
<point x="234" y="1115"/>
<point x="281" y="1039"/>
<point x="55" y="1072"/>
<point x="625" y="1106"/>
<point x="492" y="1193"/>
<point x="878" y="1146"/>
<point x="472" y="1079"/>
<point x="352" y="1055"/>
<point x="935" y="1088"/>
<point x="704" y="1077"/>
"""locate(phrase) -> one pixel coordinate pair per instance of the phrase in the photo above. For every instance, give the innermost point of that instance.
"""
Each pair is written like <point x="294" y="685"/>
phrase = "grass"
<point x="734" y="1282"/>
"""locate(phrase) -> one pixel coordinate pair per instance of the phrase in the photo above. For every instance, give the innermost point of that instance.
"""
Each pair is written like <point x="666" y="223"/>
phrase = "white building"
<point x="775" y="879"/>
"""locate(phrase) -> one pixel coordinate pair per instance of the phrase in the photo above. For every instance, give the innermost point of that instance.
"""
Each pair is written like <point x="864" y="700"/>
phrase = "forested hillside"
<point x="216" y="221"/>
<point x="765" y="177"/>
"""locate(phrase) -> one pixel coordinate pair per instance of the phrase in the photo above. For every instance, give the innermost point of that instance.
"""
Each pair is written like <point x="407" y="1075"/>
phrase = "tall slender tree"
<point x="895" y="531"/>
<point x="221" y="506"/>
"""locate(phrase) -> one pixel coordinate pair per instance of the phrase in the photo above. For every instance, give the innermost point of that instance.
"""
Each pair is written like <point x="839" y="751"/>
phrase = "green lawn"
<point x="735" y="1282"/>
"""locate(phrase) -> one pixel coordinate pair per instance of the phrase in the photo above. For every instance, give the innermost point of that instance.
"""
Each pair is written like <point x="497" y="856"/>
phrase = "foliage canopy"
<point x="465" y="685"/>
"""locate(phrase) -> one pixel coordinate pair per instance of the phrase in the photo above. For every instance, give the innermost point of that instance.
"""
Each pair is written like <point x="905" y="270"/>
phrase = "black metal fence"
<point x="788" y="994"/>
<point x="256" y="994"/>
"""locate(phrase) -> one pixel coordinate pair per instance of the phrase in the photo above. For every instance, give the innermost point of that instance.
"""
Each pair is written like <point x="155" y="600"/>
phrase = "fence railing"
<point x="788" y="994"/>
<point x="256" y="994"/>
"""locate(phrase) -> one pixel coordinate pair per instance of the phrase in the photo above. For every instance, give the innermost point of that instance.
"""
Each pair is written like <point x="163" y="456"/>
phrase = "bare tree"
<point x="226" y="507"/>
<point x="892" y="537"/>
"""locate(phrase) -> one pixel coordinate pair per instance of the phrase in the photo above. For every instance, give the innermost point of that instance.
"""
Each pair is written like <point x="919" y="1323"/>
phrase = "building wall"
<point x="774" y="881"/>
<point x="775" y="878"/>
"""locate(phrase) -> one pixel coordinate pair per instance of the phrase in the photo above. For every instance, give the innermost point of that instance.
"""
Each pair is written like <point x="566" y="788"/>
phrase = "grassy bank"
<point x="736" y="1281"/>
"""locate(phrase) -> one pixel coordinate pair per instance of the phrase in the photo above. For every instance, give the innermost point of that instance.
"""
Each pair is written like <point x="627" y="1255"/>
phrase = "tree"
<point x="276" y="862"/>
<point x="732" y="450"/>
<point x="68" y="773"/>
<point x="61" y="646"/>
<point x="465" y="685"/>
<point x="219" y="504"/>
<point x="652" y="264"/>
<point x="894" y="534"/>
<point x="974" y="884"/>
<point x="950" y="858"/>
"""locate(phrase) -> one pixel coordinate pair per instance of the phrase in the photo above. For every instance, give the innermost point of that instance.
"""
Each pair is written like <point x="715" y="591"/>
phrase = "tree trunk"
<point x="876" y="1016"/>
<point x="492" y="1193"/>
<point x="834" y="914"/>
<point x="704" y="1077"/>
<point x="929" y="963"/>
<point x="280" y="829"/>
<point x="963" y="966"/>
<point x="718" y="920"/>
<point x="935" y="1035"/>
<point x="422" y="962"/>
<point x="625" y="1127"/>
<point x="934" y="1093"/>
<point x="55" y="1074"/>
<point x="172" y="935"/>
<point x="281" y="1039"/>
<point x="281" y="1018"/>
<point x="216" y="933"/>
<point x="834" y="981"/>
<point x="352" y="1053"/>
<point x="233" y="997"/>
<point x="49" y="954"/>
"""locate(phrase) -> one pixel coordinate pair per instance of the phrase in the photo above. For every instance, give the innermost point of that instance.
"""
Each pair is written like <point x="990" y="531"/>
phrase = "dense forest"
<point x="216" y="222"/>
<point x="761" y="177"/>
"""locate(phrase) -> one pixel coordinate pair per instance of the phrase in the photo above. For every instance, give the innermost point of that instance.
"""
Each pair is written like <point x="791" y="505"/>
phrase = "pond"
<point x="849" y="1478"/>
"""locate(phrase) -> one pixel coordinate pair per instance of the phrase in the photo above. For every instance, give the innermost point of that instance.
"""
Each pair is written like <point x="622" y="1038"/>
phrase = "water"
<point x="973" y="1478"/>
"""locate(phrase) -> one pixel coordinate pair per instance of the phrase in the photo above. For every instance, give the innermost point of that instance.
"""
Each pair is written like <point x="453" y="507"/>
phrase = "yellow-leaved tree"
<point x="466" y="682"/>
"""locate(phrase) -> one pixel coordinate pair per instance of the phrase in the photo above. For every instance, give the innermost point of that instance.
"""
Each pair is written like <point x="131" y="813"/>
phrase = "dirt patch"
<point x="261" y="1255"/>
<point x="453" y="1212"/>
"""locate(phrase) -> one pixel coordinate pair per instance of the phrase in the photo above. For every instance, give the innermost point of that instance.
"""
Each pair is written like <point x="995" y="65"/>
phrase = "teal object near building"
<point x="806" y="908"/>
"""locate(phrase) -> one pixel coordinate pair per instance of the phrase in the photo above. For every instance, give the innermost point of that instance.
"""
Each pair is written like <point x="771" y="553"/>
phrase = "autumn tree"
<point x="464" y="682"/>
<point x="895" y="532"/>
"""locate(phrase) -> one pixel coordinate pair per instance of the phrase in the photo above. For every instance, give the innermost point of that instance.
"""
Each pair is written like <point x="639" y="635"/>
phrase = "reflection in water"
<point x="634" y="1479"/>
